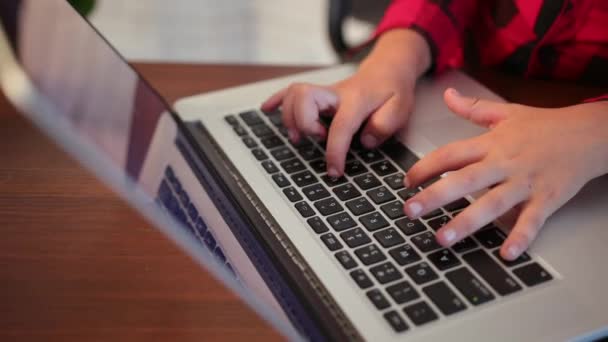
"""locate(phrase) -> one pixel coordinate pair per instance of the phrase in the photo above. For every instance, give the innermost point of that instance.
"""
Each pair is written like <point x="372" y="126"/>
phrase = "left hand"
<point x="535" y="159"/>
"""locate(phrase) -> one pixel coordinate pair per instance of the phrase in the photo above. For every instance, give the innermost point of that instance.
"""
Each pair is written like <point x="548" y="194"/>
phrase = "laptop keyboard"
<point x="396" y="262"/>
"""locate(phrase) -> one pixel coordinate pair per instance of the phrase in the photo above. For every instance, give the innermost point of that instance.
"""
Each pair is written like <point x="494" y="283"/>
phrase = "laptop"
<point x="319" y="258"/>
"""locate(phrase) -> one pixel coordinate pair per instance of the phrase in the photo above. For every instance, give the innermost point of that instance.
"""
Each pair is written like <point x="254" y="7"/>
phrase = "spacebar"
<point x="491" y="272"/>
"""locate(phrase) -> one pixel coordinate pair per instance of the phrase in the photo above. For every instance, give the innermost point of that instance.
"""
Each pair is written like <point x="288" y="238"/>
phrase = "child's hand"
<point x="532" y="158"/>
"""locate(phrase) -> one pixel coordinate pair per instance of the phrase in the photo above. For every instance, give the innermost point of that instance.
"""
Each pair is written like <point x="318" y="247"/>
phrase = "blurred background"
<point x="227" y="31"/>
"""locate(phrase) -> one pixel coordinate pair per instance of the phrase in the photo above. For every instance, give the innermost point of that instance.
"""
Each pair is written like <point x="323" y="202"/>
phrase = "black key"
<point x="346" y="260"/>
<point x="378" y="299"/>
<point x="293" y="165"/>
<point x="332" y="181"/>
<point x="402" y="156"/>
<point x="239" y="130"/>
<point x="406" y="194"/>
<point x="393" y="210"/>
<point x="402" y="292"/>
<point x="404" y="255"/>
<point x="319" y="165"/>
<point x="385" y="272"/>
<point x="315" y="192"/>
<point x="280" y="180"/>
<point x="361" y="279"/>
<point x="282" y="153"/>
<point x="261" y="130"/>
<point x="341" y="221"/>
<point x="249" y="142"/>
<point x="360" y="206"/>
<point x="304" y="178"/>
<point x="396" y="322"/>
<point x="464" y="245"/>
<point x="532" y="274"/>
<point x="410" y="227"/>
<point x="310" y="153"/>
<point x="292" y="194"/>
<point x="284" y="131"/>
<point x="444" y="298"/>
<point x="373" y="221"/>
<point x="231" y="120"/>
<point x="251" y="118"/>
<point x="421" y="273"/>
<point x="380" y="195"/>
<point x="367" y="181"/>
<point x="354" y="168"/>
<point x="331" y="242"/>
<point x="349" y="156"/>
<point x="389" y="237"/>
<point x="429" y="182"/>
<point x="328" y="206"/>
<point x="426" y="242"/>
<point x="522" y="259"/>
<point x="317" y="224"/>
<point x="395" y="181"/>
<point x="420" y="313"/>
<point x="370" y="156"/>
<point x="269" y="166"/>
<point x="457" y="205"/>
<point x="272" y="141"/>
<point x="346" y="192"/>
<point x="259" y="154"/>
<point x="432" y="214"/>
<point x="439" y="222"/>
<point x="491" y="272"/>
<point x="444" y="259"/>
<point x="470" y="287"/>
<point x="275" y="119"/>
<point x="301" y="143"/>
<point x="490" y="238"/>
<point x="355" y="237"/>
<point x="383" y="168"/>
<point x="370" y="254"/>
<point x="305" y="209"/>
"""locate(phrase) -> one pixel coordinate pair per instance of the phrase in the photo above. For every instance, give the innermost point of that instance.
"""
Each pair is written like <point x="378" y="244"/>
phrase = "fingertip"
<point x="510" y="251"/>
<point x="446" y="237"/>
<point x="369" y="141"/>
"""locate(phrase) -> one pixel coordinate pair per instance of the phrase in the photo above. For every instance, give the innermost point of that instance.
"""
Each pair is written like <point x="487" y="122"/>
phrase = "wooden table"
<point x="76" y="263"/>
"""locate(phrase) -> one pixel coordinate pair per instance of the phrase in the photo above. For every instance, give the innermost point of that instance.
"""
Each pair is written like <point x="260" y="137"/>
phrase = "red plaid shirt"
<point x="552" y="39"/>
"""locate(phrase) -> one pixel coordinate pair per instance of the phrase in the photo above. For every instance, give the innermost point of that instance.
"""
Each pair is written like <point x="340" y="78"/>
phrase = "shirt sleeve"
<point x="599" y="98"/>
<point x="441" y="23"/>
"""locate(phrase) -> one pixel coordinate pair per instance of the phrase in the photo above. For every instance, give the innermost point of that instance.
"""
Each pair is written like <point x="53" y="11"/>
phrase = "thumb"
<point x="482" y="112"/>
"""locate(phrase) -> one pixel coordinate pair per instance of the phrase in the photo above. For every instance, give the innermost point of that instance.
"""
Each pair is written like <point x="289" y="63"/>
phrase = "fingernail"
<point x="406" y="182"/>
<point x="332" y="172"/>
<point x="415" y="208"/>
<point x="369" y="141"/>
<point x="449" y="235"/>
<point x="454" y="92"/>
<point x="513" y="251"/>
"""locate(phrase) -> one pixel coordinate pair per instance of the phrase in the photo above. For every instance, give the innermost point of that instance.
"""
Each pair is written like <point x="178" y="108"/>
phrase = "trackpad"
<point x="444" y="131"/>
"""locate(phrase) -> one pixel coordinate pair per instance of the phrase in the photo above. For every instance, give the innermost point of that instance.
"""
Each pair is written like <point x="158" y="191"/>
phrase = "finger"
<point x="309" y="102"/>
<point x="482" y="112"/>
<point x="345" y="124"/>
<point x="527" y="226"/>
<point x="486" y="209"/>
<point x="383" y="123"/>
<point x="274" y="101"/>
<point x="288" y="117"/>
<point x="456" y="185"/>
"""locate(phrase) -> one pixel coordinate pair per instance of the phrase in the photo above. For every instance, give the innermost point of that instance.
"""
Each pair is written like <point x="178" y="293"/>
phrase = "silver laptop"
<point x="318" y="257"/>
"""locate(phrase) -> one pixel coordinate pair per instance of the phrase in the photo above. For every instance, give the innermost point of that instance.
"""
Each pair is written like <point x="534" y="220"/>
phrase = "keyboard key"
<point x="354" y="168"/>
<point x="284" y="131"/>
<point x="490" y="238"/>
<point x="389" y="237"/>
<point x="395" y="181"/>
<point x="328" y="206"/>
<point x="444" y="259"/>
<point x="426" y="242"/>
<point x="259" y="154"/>
<point x="346" y="260"/>
<point x="432" y="214"/>
<point x="359" y="206"/>
<point x="410" y="227"/>
<point x="346" y="192"/>
<point x="402" y="156"/>
<point x="383" y="168"/>
<point x="406" y="194"/>
<point x="272" y="141"/>
<point x="393" y="210"/>
<point x="420" y="313"/>
<point x="209" y="240"/>
<point x="280" y="180"/>
<point x="522" y="259"/>
<point x="269" y="166"/>
<point x="251" y="118"/>
<point x="444" y="298"/>
<point x="532" y="274"/>
<point x="396" y="322"/>
<point x="292" y="165"/>
<point x="457" y="205"/>
<point x="282" y="153"/>
<point x="385" y="272"/>
<point x="361" y="279"/>
<point x="319" y="165"/>
<point x="292" y="194"/>
<point x="355" y="237"/>
<point x="239" y="130"/>
<point x="261" y="130"/>
<point x="332" y="181"/>
<point x="370" y="156"/>
<point x="331" y="242"/>
<point x="429" y="182"/>
<point x="303" y="142"/>
<point x="421" y="273"/>
<point x="315" y="192"/>
<point x="231" y="120"/>
<point x="491" y="272"/>
<point x="439" y="222"/>
<point x="402" y="292"/>
<point x="469" y="286"/>
<point x="305" y="209"/>
<point x="404" y="255"/>
<point x="367" y="181"/>
<point x="373" y="221"/>
<point x="275" y="119"/>
<point x="249" y="142"/>
<point x="378" y="299"/>
<point x="310" y="152"/>
<point x="380" y="195"/>
<point x="464" y="245"/>
<point x="317" y="224"/>
<point x="304" y="178"/>
<point x="341" y="221"/>
<point x="370" y="254"/>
